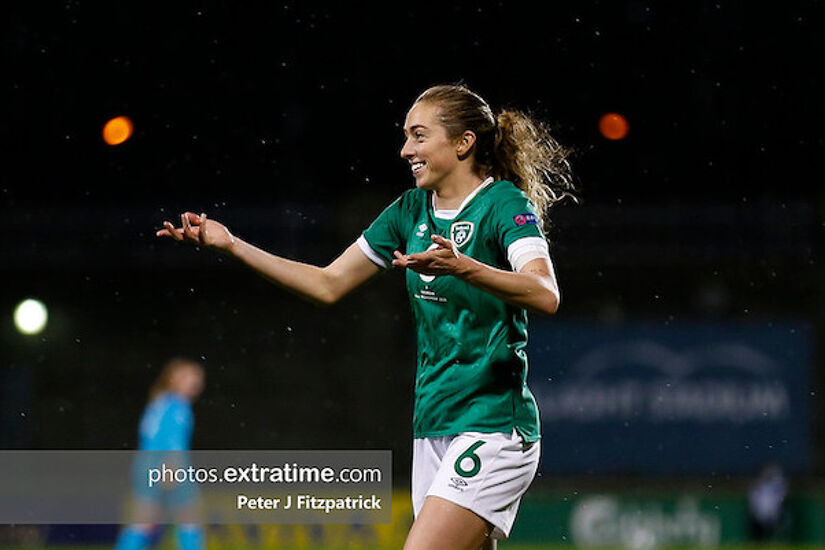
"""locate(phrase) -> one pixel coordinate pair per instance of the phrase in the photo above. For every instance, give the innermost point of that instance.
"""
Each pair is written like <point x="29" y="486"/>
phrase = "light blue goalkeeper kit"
<point x="166" y="425"/>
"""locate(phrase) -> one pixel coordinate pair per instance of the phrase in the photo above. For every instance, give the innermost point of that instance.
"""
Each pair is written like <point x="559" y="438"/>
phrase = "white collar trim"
<point x="452" y="214"/>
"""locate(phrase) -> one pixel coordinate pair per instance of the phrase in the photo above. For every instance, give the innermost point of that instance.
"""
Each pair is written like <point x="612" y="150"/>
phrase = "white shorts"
<point x="487" y="473"/>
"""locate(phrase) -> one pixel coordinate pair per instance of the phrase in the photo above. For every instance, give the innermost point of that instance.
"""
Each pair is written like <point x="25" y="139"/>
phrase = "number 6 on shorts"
<point x="469" y="453"/>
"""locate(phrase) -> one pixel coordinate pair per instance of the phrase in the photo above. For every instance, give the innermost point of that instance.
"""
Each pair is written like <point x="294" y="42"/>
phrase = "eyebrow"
<point x="414" y="127"/>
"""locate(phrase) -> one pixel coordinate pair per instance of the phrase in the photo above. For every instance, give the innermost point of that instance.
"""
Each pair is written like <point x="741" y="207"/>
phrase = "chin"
<point x="423" y="184"/>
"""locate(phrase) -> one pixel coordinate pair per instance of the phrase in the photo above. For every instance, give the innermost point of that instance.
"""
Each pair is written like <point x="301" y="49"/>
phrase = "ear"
<point x="465" y="143"/>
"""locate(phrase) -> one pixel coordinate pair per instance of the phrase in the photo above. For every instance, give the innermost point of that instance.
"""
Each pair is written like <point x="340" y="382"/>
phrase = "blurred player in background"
<point x="166" y="425"/>
<point x="470" y="235"/>
<point x="766" y="503"/>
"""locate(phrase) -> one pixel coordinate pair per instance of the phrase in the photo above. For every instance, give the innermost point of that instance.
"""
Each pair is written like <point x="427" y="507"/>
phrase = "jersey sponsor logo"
<point x="430" y="296"/>
<point x="460" y="232"/>
<point x="526" y="219"/>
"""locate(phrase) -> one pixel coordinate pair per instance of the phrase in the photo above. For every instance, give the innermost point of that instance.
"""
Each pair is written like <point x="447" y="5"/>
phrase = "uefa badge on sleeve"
<point x="527" y="218"/>
<point x="460" y="232"/>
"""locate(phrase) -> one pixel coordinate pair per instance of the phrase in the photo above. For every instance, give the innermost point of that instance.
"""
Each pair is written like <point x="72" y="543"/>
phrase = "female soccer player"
<point x="166" y="425"/>
<point x="470" y="237"/>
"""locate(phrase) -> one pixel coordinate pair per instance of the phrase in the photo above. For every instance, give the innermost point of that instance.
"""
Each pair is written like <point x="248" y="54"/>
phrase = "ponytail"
<point x="525" y="153"/>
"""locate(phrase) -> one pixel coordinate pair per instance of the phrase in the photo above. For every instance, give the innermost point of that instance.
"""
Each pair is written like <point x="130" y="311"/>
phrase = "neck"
<point x="180" y="394"/>
<point x="452" y="193"/>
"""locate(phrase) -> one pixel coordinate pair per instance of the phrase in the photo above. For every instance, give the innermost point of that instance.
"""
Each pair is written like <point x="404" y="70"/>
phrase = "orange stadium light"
<point x="613" y="126"/>
<point x="117" y="130"/>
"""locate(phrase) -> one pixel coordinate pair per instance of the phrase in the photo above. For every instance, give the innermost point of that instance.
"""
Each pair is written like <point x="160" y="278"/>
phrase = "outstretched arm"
<point x="320" y="285"/>
<point x="534" y="287"/>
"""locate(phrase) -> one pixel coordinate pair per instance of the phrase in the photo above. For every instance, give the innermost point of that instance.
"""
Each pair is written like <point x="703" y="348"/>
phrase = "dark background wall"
<point x="283" y="121"/>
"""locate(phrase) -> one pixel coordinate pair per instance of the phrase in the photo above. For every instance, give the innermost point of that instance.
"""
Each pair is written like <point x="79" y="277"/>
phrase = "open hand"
<point x="444" y="259"/>
<point x="199" y="230"/>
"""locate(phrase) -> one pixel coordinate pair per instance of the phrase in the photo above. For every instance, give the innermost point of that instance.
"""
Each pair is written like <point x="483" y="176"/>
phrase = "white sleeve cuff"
<point x="370" y="253"/>
<point x="526" y="249"/>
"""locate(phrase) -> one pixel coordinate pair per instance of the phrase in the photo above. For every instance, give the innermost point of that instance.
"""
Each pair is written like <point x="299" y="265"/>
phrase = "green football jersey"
<point x="472" y="361"/>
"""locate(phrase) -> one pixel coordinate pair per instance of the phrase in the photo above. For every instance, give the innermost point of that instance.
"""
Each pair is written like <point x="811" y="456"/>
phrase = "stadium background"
<point x="283" y="121"/>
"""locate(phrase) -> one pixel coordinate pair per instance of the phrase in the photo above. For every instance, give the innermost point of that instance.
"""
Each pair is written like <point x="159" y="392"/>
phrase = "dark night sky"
<point x="291" y="102"/>
<point x="283" y="120"/>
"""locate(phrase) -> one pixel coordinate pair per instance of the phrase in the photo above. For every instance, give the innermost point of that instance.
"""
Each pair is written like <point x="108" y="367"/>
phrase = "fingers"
<point x="189" y="230"/>
<point x="430" y="255"/>
<point x="202" y="225"/>
<point x="400" y="259"/>
<point x="186" y="222"/>
<point x="445" y="243"/>
<point x="193" y="218"/>
<point x="170" y="231"/>
<point x="438" y="261"/>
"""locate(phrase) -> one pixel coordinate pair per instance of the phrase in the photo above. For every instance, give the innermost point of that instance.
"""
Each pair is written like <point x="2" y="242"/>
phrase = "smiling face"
<point x="432" y="155"/>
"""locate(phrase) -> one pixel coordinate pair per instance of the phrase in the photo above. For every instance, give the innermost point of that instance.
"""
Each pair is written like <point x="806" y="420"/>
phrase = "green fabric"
<point x="472" y="362"/>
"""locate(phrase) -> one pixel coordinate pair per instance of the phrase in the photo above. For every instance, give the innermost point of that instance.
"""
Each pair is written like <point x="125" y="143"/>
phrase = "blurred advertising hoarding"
<point x="680" y="398"/>
<point x="635" y="519"/>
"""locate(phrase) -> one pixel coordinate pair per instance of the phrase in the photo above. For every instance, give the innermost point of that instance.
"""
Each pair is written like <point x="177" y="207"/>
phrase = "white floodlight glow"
<point x="30" y="316"/>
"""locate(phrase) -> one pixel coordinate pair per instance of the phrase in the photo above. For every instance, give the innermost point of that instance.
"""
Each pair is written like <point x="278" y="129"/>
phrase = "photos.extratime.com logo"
<point x="288" y="473"/>
<point x="228" y="487"/>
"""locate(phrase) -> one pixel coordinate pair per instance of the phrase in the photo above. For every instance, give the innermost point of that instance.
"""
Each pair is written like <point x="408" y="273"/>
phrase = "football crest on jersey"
<point x="460" y="232"/>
